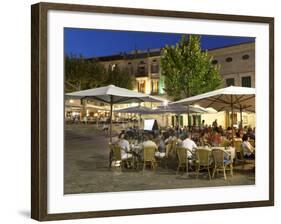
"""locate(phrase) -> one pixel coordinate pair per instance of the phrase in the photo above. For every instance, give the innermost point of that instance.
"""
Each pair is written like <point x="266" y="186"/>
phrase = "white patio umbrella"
<point x="135" y="110"/>
<point x="179" y="109"/>
<point x="226" y="99"/>
<point x="112" y="95"/>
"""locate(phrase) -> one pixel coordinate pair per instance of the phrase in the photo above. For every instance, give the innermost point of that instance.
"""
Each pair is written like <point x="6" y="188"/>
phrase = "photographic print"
<point x="139" y="111"/>
<point x="150" y="137"/>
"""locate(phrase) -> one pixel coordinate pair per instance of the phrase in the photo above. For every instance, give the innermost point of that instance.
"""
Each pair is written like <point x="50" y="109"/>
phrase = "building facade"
<point x="236" y="65"/>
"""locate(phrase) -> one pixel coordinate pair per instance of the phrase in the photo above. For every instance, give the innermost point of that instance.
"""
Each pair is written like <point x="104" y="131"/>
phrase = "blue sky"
<point x="95" y="43"/>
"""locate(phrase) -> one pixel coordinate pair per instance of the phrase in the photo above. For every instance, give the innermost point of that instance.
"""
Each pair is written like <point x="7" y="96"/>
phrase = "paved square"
<point x="86" y="168"/>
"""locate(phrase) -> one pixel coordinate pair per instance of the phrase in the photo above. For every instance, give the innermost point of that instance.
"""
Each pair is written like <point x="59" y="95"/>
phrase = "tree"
<point x="81" y="73"/>
<point x="119" y="77"/>
<point x="188" y="70"/>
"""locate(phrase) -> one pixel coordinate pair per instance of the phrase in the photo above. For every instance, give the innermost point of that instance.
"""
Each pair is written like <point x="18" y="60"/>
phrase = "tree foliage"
<point x="120" y="77"/>
<point x="188" y="70"/>
<point x="81" y="74"/>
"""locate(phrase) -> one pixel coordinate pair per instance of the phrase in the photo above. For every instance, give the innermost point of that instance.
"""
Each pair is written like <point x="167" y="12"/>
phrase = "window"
<point x="141" y="86"/>
<point x="130" y="68"/>
<point x="230" y="82"/>
<point x="229" y="59"/>
<point x="245" y="57"/>
<point x="154" y="86"/>
<point x="246" y="81"/>
<point x="141" y="70"/>
<point x="214" y="62"/>
<point x="154" y="68"/>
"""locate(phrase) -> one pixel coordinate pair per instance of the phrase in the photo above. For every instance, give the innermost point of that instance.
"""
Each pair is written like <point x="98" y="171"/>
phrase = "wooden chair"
<point x="239" y="151"/>
<point x="221" y="163"/>
<point x="203" y="161"/>
<point x="116" y="156"/>
<point x="149" y="157"/>
<point x="252" y="142"/>
<point x="182" y="158"/>
<point x="172" y="146"/>
<point x="165" y="158"/>
<point x="115" y="151"/>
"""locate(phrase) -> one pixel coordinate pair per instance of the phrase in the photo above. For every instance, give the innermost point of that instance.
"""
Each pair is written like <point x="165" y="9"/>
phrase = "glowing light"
<point x="70" y="101"/>
<point x="165" y="103"/>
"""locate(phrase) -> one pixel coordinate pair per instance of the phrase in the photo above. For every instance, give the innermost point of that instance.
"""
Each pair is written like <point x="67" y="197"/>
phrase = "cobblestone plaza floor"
<point x="86" y="168"/>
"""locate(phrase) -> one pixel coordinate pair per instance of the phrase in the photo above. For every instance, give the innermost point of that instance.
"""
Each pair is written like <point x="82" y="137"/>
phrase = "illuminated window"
<point x="141" y="86"/>
<point x="154" y="86"/>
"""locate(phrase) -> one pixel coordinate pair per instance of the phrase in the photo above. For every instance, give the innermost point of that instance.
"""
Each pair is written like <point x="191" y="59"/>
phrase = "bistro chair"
<point x="182" y="158"/>
<point x="164" y="159"/>
<point x="252" y="142"/>
<point x="149" y="157"/>
<point x="116" y="156"/>
<point x="173" y="147"/>
<point x="203" y="156"/>
<point x="239" y="151"/>
<point x="222" y="162"/>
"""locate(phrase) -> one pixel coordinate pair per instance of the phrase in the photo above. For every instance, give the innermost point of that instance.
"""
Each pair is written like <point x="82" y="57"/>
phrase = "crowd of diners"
<point x="188" y="137"/>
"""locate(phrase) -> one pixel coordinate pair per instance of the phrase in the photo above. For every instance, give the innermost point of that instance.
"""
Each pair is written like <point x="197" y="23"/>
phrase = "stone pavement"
<point x="86" y="168"/>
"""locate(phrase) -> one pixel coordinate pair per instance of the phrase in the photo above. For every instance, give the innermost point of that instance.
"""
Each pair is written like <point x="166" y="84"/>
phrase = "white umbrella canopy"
<point x="112" y="95"/>
<point x="226" y="99"/>
<point x="135" y="110"/>
<point x="180" y="109"/>
<point x="231" y="98"/>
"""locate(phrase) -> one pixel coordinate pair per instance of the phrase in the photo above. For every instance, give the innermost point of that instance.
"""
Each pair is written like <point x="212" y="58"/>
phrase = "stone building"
<point x="237" y="68"/>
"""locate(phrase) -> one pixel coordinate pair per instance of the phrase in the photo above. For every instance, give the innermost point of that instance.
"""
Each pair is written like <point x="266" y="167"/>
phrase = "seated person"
<point x="248" y="149"/>
<point x="216" y="139"/>
<point x="125" y="147"/>
<point x="188" y="143"/>
<point x="251" y="133"/>
<point x="161" y="144"/>
<point x="149" y="143"/>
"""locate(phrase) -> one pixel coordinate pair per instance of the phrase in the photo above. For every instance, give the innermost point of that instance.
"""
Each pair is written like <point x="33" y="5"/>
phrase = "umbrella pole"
<point x="188" y="114"/>
<point x="232" y="119"/>
<point x="110" y="127"/>
<point x="139" y="121"/>
<point x="241" y="121"/>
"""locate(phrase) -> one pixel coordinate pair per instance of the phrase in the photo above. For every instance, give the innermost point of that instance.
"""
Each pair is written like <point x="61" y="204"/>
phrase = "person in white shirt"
<point x="125" y="147"/>
<point x="188" y="143"/>
<point x="248" y="149"/>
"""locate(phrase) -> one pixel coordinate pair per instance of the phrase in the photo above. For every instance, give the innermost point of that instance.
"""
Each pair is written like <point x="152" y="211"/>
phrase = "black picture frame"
<point x="39" y="107"/>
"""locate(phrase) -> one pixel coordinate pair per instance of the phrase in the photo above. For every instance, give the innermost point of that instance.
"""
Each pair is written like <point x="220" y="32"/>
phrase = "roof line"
<point x="147" y="52"/>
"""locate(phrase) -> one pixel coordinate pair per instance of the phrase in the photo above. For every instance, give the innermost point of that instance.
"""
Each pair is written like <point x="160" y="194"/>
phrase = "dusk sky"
<point x="94" y="43"/>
